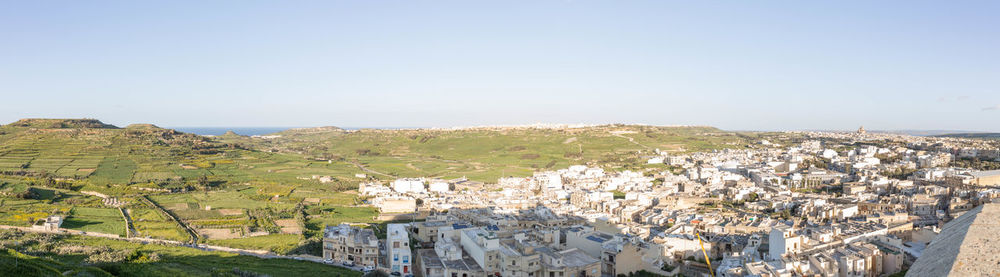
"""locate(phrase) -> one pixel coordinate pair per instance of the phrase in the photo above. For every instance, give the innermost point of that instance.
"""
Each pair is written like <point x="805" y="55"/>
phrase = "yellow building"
<point x="986" y="178"/>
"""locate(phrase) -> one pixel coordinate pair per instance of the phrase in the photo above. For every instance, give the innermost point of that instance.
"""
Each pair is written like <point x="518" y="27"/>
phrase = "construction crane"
<point x="707" y="260"/>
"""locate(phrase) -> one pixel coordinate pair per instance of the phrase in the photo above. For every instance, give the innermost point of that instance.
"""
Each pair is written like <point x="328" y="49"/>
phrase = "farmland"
<point x="486" y="154"/>
<point x="101" y="220"/>
<point x="256" y="193"/>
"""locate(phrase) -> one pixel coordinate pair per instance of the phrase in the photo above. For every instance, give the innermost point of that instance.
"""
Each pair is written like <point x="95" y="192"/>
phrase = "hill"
<point x="972" y="135"/>
<point x="174" y="185"/>
<point x="103" y="157"/>
<point x="484" y="154"/>
<point x="61" y="123"/>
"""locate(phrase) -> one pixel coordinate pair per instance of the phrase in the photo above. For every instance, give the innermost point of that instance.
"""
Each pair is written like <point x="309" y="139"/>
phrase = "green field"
<point x="322" y="215"/>
<point x="486" y="154"/>
<point x="100" y="220"/>
<point x="278" y="243"/>
<point x="150" y="223"/>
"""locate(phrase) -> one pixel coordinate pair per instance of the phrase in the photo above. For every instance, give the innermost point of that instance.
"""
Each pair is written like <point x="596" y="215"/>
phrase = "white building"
<point x="398" y="249"/>
<point x="438" y="187"/>
<point x="783" y="240"/>
<point x="408" y="185"/>
<point x="483" y="247"/>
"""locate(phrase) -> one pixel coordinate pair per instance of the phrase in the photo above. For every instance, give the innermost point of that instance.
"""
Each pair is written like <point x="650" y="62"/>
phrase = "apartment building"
<point x="344" y="243"/>
<point x="398" y="250"/>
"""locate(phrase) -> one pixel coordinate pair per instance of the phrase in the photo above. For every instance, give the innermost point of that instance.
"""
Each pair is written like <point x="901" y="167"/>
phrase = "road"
<point x="365" y="169"/>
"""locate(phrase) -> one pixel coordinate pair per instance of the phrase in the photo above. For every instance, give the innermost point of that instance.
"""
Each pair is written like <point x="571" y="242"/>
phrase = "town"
<point x="835" y="204"/>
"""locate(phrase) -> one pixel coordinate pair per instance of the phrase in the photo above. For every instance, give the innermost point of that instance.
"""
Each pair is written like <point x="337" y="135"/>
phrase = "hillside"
<point x="173" y="185"/>
<point x="972" y="135"/>
<point x="142" y="155"/>
<point x="484" y="154"/>
<point x="61" y="255"/>
<point x="45" y="123"/>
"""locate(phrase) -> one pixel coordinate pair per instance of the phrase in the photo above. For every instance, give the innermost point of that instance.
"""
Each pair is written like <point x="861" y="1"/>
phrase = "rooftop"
<point x="988" y="173"/>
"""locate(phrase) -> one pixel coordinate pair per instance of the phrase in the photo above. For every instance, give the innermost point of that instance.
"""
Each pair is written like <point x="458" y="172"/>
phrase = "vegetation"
<point x="976" y="164"/>
<point x="487" y="154"/>
<point x="256" y="193"/>
<point x="32" y="254"/>
<point x="101" y="220"/>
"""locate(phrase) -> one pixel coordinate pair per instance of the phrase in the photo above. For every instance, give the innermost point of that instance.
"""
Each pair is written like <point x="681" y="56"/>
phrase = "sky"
<point x="736" y="65"/>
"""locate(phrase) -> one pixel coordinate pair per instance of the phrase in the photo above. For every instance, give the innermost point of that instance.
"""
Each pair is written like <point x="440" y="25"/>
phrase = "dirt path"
<point x="630" y="139"/>
<point x="130" y="230"/>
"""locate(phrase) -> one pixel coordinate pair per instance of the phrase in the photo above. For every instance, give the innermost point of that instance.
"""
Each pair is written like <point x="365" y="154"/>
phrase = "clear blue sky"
<point x="739" y="65"/>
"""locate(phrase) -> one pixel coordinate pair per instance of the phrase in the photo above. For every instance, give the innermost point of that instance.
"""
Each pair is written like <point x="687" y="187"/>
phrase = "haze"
<point x="757" y="65"/>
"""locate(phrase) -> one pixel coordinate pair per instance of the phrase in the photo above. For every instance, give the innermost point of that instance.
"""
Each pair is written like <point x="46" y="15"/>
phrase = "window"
<point x="395" y="244"/>
<point x="454" y="274"/>
<point x="395" y="257"/>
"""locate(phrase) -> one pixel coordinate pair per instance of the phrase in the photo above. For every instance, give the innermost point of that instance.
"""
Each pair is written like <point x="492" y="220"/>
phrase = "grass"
<point x="319" y="216"/>
<point x="174" y="261"/>
<point x="486" y="154"/>
<point x="14" y="263"/>
<point x="277" y="243"/>
<point x="150" y="223"/>
<point x="100" y="220"/>
<point x="117" y="161"/>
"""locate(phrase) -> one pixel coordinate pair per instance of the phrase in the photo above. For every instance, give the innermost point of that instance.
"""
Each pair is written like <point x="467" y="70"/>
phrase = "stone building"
<point x="344" y="243"/>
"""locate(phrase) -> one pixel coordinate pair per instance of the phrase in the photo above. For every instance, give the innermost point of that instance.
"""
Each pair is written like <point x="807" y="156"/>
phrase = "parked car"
<point x="329" y="261"/>
<point x="349" y="263"/>
<point x="396" y="273"/>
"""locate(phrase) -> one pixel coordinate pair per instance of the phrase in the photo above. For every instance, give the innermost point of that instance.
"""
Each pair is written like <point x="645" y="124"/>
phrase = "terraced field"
<point x="150" y="223"/>
<point x="100" y="220"/>
<point x="486" y="154"/>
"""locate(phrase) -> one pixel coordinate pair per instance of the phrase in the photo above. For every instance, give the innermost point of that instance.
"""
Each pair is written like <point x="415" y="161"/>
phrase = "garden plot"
<point x="221" y="233"/>
<point x="289" y="226"/>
